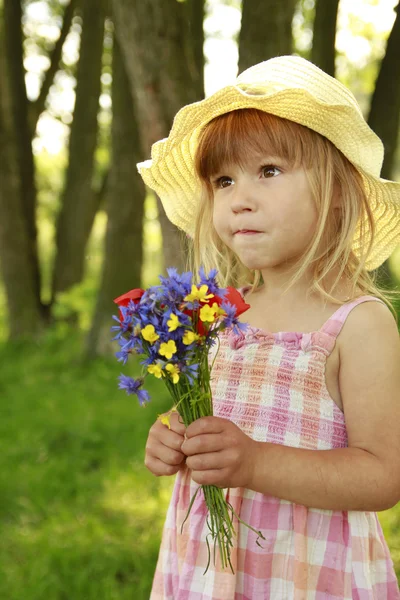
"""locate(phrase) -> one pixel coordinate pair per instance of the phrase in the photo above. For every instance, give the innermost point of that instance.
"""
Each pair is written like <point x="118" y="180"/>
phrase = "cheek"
<point x="219" y="221"/>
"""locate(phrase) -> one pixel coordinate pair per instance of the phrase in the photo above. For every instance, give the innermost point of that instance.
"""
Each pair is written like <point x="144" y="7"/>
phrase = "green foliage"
<point x="81" y="517"/>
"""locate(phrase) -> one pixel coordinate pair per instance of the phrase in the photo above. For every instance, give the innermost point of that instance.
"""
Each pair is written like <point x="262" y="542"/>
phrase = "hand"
<point x="219" y="453"/>
<point x="163" y="454"/>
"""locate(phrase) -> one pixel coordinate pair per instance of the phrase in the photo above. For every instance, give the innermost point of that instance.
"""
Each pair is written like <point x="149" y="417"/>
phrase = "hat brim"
<point x="170" y="171"/>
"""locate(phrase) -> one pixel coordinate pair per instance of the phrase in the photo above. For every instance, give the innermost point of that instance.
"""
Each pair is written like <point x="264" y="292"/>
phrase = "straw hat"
<point x="295" y="89"/>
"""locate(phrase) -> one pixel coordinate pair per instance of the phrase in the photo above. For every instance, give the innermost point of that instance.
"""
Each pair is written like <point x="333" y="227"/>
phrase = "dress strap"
<point x="334" y="324"/>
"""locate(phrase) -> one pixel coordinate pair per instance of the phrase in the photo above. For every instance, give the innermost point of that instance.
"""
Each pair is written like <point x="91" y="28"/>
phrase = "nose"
<point x="243" y="197"/>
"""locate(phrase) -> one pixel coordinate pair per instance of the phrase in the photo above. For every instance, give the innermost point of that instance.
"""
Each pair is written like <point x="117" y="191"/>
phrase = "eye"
<point x="221" y="182"/>
<point x="270" y="171"/>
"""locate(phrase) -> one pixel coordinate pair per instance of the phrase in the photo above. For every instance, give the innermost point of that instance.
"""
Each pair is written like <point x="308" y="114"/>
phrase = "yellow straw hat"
<point x="295" y="89"/>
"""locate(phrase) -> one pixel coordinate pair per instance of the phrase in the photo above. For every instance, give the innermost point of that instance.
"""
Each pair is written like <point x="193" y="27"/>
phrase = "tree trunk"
<point x="17" y="251"/>
<point x="125" y="208"/>
<point x="195" y="40"/>
<point x="266" y="31"/>
<point x="384" y="116"/>
<point x="159" y="63"/>
<point x="79" y="202"/>
<point x="324" y="35"/>
<point x="13" y="40"/>
<point x="38" y="106"/>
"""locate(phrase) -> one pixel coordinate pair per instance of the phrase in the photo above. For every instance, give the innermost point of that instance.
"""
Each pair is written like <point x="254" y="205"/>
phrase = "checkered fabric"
<point x="272" y="385"/>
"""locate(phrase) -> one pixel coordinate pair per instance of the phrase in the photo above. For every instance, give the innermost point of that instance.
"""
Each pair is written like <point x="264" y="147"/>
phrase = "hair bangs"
<point x="237" y="136"/>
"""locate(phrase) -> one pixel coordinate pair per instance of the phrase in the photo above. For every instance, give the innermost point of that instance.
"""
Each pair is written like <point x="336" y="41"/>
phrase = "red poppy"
<point x="232" y="296"/>
<point x="235" y="298"/>
<point x="134" y="295"/>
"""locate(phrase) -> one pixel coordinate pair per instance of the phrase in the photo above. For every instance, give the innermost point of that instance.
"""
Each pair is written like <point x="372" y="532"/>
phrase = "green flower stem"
<point x="193" y="402"/>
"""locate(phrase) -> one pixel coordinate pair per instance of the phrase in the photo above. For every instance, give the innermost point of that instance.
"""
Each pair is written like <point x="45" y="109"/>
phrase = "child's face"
<point x="272" y="198"/>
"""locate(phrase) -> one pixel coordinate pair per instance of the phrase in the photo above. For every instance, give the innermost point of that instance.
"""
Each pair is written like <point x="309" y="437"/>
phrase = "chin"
<point x="255" y="264"/>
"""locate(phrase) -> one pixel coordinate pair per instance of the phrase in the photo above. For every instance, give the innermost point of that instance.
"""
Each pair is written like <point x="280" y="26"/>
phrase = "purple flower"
<point x="231" y="320"/>
<point x="131" y="386"/>
<point x="190" y="371"/>
<point x="122" y="356"/>
<point x="211" y="282"/>
<point x="175" y="287"/>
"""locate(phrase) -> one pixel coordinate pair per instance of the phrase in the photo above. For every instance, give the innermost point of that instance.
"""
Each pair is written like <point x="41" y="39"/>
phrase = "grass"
<point x="81" y="517"/>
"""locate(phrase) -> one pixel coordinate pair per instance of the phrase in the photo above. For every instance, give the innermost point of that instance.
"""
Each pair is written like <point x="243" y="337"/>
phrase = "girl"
<point x="276" y="179"/>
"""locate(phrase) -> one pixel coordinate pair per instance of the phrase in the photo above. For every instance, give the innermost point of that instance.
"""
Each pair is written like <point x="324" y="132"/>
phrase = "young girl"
<point x="276" y="179"/>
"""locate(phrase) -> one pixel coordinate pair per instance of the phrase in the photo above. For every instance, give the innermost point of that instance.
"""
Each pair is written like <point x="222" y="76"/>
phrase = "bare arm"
<point x="366" y="475"/>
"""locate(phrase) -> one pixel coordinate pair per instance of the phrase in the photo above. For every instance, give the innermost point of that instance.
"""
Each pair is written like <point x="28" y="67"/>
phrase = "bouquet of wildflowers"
<point x="174" y="325"/>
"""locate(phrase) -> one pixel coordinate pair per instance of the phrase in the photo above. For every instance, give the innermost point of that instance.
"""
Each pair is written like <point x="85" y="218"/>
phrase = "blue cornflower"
<point x="130" y="344"/>
<point x="152" y="296"/>
<point x="239" y="326"/>
<point x="211" y="282"/>
<point x="175" y="286"/>
<point x="122" y="328"/>
<point x="231" y="320"/>
<point x="230" y="313"/>
<point x="131" y="386"/>
<point x="190" y="371"/>
<point x="122" y="356"/>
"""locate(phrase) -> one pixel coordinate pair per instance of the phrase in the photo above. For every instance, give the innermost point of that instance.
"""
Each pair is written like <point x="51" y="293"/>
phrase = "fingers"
<point x="206" y="462"/>
<point x="177" y="424"/>
<point x="169" y="437"/>
<point x="207" y="425"/>
<point x="169" y="453"/>
<point x="202" y="443"/>
<point x="163" y="454"/>
<point x="159" y="468"/>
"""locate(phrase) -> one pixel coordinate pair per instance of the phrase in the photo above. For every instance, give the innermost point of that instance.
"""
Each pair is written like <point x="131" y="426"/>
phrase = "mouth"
<point x="247" y="231"/>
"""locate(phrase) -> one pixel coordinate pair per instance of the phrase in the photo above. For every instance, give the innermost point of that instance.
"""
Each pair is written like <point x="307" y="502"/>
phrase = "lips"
<point x="247" y="231"/>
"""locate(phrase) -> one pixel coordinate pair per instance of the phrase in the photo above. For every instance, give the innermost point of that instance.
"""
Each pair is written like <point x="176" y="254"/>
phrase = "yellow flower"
<point x="207" y="313"/>
<point x="198" y="294"/>
<point x="219" y="312"/>
<point x="165" y="419"/>
<point x="149" y="334"/>
<point x="167" y="349"/>
<point x="189" y="337"/>
<point x="155" y="369"/>
<point x="173" y="323"/>
<point x="174" y="372"/>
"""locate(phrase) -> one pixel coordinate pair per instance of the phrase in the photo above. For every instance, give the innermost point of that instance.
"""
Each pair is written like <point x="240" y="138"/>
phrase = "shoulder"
<point x="369" y="346"/>
<point x="369" y="353"/>
<point x="369" y="321"/>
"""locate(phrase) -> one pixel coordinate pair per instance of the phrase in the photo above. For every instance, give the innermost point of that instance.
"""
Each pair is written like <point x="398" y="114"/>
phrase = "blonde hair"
<point x="230" y="139"/>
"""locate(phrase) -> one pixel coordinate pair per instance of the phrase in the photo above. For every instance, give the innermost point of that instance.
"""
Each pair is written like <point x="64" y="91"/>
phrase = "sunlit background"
<point x="363" y="27"/>
<point x="80" y="510"/>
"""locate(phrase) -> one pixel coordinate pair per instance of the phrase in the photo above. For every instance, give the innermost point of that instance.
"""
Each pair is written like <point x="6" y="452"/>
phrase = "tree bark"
<point x="195" y="40"/>
<point x="125" y="208"/>
<point x="17" y="251"/>
<point x="384" y="117"/>
<point x="324" y="35"/>
<point x="159" y="63"/>
<point x="13" y="40"/>
<point x="38" y="106"/>
<point x="384" y="114"/>
<point x="79" y="202"/>
<point x="266" y="31"/>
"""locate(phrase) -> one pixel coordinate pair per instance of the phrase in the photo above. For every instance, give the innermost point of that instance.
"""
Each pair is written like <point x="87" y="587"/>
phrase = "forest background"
<point x="86" y="86"/>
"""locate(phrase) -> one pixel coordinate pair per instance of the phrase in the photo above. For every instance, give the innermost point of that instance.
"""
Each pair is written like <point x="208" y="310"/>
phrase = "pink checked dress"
<point x="272" y="385"/>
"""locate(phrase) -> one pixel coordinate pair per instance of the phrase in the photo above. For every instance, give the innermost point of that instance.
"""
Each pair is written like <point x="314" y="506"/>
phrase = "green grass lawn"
<point x="81" y="517"/>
